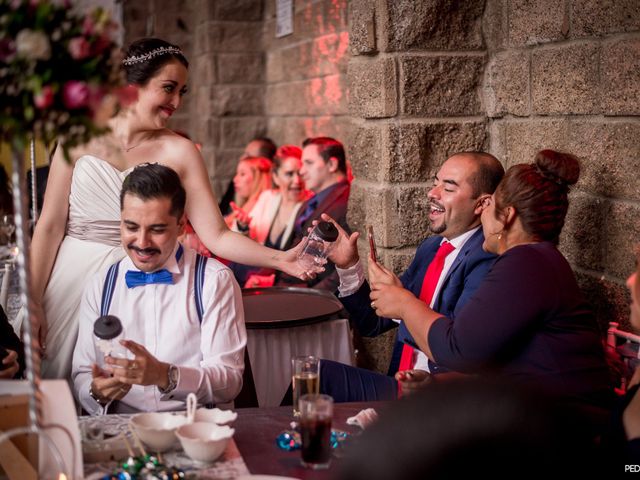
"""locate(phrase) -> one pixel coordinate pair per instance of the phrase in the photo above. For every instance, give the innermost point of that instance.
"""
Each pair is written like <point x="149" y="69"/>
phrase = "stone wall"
<point x="565" y="74"/>
<point x="306" y="92"/>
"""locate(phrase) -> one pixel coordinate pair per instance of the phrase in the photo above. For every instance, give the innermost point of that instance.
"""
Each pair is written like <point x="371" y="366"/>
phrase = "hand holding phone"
<point x="372" y="244"/>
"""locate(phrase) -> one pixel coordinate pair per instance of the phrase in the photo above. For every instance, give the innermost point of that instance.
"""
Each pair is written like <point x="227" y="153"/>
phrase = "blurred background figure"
<point x="253" y="176"/>
<point x="258" y="147"/>
<point x="271" y="221"/>
<point x="471" y="428"/>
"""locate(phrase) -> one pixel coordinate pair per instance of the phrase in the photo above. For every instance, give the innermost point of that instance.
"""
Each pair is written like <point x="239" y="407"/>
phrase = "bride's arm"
<point x="204" y="214"/>
<point x="50" y="229"/>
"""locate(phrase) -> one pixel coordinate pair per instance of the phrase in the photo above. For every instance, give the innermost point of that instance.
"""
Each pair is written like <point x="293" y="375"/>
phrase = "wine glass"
<point x="7" y="227"/>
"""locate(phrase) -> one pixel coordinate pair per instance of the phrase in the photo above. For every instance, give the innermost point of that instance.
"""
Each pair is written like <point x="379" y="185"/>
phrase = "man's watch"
<point x="101" y="401"/>
<point x="173" y="375"/>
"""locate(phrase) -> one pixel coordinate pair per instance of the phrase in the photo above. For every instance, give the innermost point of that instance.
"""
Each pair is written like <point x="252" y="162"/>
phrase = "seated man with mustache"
<point x="181" y="313"/>
<point x="444" y="273"/>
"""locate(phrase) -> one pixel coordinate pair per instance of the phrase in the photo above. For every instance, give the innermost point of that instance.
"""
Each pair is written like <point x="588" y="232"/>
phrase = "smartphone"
<point x="372" y="244"/>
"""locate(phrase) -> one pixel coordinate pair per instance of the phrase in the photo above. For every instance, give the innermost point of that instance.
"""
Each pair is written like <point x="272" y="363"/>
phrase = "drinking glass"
<point x="316" y="412"/>
<point x="7" y="227"/>
<point x="305" y="378"/>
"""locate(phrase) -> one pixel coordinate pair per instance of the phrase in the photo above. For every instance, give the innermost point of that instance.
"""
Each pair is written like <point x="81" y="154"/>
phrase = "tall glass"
<point x="305" y="378"/>
<point x="316" y="412"/>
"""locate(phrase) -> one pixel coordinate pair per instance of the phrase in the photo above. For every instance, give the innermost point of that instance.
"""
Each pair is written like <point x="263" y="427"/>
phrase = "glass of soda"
<point x="305" y="378"/>
<point x="316" y="412"/>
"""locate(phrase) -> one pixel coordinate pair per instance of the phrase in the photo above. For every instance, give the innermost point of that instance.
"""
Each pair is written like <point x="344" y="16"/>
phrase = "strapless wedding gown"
<point x="91" y="243"/>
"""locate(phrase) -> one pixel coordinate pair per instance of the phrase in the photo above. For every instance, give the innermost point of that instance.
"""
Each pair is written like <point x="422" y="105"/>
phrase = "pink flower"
<point x="44" y="99"/>
<point x="88" y="25"/>
<point x="75" y="94"/>
<point x="79" y="48"/>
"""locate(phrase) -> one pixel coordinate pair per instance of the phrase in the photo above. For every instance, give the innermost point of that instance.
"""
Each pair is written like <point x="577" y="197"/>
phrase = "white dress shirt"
<point x="163" y="318"/>
<point x="352" y="278"/>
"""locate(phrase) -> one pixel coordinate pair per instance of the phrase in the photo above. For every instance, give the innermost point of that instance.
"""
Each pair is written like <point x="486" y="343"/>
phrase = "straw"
<point x="138" y="442"/>
<point x="127" y="444"/>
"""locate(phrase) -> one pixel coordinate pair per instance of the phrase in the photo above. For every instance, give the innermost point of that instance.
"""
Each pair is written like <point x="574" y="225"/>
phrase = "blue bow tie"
<point x="135" y="278"/>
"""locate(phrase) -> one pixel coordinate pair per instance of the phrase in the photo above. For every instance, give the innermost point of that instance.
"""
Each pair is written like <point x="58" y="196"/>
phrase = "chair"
<point x="247" y="397"/>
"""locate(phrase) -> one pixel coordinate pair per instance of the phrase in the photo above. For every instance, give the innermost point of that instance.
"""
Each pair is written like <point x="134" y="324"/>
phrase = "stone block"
<point x="404" y="215"/>
<point x="204" y="10"/>
<point x="565" y="80"/>
<point x="357" y="209"/>
<point x="207" y="131"/>
<point x="535" y="22"/>
<point x="170" y="23"/>
<point x="372" y="88"/>
<point x="241" y="10"/>
<point x="201" y="107"/>
<point x="582" y="239"/>
<point x="494" y="24"/>
<point x="609" y="300"/>
<point x="434" y="25"/>
<point x="317" y="96"/>
<point x="523" y="139"/>
<point x="601" y="17"/>
<point x="364" y="150"/>
<point x="620" y="70"/>
<point x="622" y="228"/>
<point x="506" y="84"/>
<point x="237" y="132"/>
<point x="237" y="100"/>
<point x="609" y="152"/>
<point x="226" y="161"/>
<point x="362" y="27"/>
<point x="497" y="131"/>
<point x="240" y="68"/>
<point x="441" y="86"/>
<point x="325" y="55"/>
<point x="228" y="37"/>
<point x="203" y="69"/>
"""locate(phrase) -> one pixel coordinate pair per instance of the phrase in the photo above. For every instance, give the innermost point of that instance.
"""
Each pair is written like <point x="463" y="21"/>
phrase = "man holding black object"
<point x="445" y="271"/>
<point x="182" y="313"/>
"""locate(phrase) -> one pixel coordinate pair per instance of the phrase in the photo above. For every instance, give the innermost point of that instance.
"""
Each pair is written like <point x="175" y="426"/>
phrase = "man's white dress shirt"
<point x="351" y="279"/>
<point x="163" y="318"/>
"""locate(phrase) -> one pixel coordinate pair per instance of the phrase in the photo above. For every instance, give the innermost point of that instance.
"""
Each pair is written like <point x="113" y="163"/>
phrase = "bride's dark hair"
<point x="139" y="72"/>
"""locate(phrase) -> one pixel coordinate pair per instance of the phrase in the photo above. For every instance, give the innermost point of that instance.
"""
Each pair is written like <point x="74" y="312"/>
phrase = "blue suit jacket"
<point x="464" y="276"/>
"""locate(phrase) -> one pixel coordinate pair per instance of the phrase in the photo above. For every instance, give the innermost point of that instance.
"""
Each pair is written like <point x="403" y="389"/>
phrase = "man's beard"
<point x="437" y="230"/>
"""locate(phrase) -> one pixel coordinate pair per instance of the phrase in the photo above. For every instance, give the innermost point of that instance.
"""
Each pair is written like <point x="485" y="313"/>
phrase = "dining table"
<point x="253" y="451"/>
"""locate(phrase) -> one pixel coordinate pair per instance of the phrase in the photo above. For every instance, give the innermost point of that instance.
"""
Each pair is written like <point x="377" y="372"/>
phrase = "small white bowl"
<point x="214" y="415"/>
<point x="156" y="429"/>
<point x="204" y="442"/>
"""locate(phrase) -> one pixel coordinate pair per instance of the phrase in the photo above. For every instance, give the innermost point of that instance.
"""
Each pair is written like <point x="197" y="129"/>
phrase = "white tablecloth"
<point x="270" y="352"/>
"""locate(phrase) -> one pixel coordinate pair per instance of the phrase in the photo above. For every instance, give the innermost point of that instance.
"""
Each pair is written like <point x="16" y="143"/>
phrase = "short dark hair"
<point x="488" y="174"/>
<point x="267" y="147"/>
<point x="152" y="180"/>
<point x="329" y="148"/>
<point x="140" y="73"/>
<point x="539" y="193"/>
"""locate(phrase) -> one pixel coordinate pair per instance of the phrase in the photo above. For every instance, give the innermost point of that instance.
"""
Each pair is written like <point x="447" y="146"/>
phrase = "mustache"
<point x="143" y="251"/>
<point x="433" y="202"/>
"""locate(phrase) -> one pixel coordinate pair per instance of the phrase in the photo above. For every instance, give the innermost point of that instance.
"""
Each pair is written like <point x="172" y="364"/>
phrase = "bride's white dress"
<point x="91" y="243"/>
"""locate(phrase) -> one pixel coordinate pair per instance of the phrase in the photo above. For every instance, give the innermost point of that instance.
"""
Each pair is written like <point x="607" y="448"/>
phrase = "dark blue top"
<point x="527" y="320"/>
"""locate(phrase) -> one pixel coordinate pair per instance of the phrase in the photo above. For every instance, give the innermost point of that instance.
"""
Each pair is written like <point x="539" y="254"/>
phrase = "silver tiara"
<point x="153" y="53"/>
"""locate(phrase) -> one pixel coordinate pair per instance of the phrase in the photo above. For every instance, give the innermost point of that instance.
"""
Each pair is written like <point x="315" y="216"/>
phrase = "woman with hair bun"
<point x="527" y="320"/>
<point x="78" y="232"/>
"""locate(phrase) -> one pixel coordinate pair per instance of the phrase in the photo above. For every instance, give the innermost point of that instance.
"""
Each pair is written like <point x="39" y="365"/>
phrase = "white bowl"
<point x="214" y="415"/>
<point x="204" y="442"/>
<point x="156" y="429"/>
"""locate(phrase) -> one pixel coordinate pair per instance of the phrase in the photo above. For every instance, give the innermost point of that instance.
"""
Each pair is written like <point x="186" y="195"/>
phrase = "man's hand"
<point x="106" y="387"/>
<point x="10" y="365"/>
<point x="380" y="275"/>
<point x="144" y="369"/>
<point x="344" y="253"/>
<point x="289" y="263"/>
<point x="411" y="381"/>
<point x="40" y="328"/>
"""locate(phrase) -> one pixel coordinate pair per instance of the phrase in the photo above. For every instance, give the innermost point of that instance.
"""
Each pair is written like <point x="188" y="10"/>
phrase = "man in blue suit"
<point x="456" y="200"/>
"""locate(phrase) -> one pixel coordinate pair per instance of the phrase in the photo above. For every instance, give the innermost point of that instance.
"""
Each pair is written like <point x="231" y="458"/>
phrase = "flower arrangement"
<point x="60" y="75"/>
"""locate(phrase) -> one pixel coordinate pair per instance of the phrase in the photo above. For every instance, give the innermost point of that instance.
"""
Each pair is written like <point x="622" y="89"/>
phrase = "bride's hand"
<point x="39" y="329"/>
<point x="291" y="266"/>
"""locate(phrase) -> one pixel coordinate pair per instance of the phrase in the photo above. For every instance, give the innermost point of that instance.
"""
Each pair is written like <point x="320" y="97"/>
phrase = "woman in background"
<point x="253" y="176"/>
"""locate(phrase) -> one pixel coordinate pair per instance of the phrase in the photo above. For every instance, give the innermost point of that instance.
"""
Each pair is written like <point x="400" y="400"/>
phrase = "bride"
<point x="79" y="230"/>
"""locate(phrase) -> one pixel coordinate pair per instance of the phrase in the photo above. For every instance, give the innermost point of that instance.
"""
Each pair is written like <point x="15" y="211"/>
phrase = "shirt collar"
<point x="459" y="241"/>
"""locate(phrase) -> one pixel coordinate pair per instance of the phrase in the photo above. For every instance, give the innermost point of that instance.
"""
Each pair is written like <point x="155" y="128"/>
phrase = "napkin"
<point x="364" y="418"/>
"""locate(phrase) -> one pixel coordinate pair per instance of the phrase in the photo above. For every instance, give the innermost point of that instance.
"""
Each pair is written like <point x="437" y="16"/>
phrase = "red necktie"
<point x="429" y="283"/>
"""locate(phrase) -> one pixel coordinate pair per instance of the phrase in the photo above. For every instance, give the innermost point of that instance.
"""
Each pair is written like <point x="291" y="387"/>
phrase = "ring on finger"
<point x="373" y="305"/>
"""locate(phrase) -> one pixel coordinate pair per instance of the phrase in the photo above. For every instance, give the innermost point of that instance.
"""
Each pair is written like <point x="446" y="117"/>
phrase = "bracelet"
<point x="102" y="402"/>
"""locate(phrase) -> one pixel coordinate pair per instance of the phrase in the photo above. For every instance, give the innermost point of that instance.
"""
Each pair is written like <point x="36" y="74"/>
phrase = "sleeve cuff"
<point x="351" y="279"/>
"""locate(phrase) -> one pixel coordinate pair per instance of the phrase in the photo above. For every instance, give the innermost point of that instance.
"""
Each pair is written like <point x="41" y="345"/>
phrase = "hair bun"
<point x="562" y="168"/>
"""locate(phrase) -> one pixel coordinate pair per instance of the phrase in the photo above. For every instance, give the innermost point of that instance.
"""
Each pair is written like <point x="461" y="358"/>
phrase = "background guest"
<point x="253" y="176"/>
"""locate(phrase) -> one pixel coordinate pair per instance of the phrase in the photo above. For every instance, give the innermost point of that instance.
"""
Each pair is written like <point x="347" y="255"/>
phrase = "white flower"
<point x="33" y="45"/>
